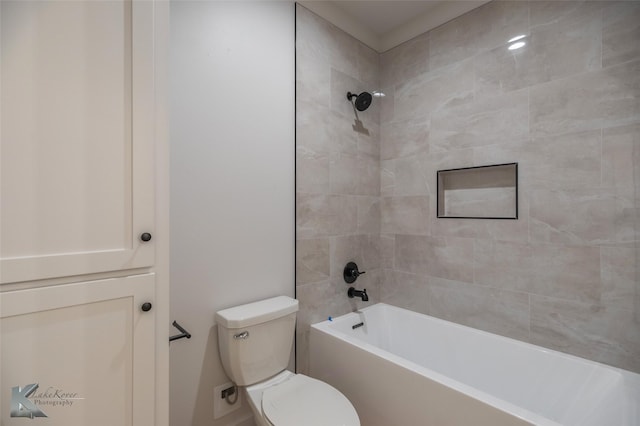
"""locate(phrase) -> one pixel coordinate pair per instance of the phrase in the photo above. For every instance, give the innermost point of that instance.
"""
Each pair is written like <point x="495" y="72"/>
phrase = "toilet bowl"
<point x="255" y="342"/>
<point x="290" y="399"/>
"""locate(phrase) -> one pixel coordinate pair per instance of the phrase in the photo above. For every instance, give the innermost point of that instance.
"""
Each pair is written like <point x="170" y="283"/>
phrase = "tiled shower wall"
<point x="338" y="173"/>
<point x="566" y="107"/>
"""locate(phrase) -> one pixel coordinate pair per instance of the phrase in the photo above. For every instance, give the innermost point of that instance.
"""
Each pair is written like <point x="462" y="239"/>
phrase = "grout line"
<point x="601" y="157"/>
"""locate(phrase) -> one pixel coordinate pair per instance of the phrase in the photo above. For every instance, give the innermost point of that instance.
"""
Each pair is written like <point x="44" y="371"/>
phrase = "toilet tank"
<point x="255" y="339"/>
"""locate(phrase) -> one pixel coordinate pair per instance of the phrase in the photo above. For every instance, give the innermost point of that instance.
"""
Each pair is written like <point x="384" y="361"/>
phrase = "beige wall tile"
<point x="419" y="97"/>
<point x="412" y="253"/>
<point x="367" y="176"/>
<point x="368" y="215"/>
<point x="387" y="251"/>
<point x="340" y="137"/>
<point x="558" y="271"/>
<point x="387" y="177"/>
<point x="499" y="119"/>
<point x="313" y="216"/>
<point x="313" y="80"/>
<point x="319" y="215"/>
<point x="621" y="32"/>
<point x="368" y="66"/>
<point x="405" y="290"/>
<point x="387" y="105"/>
<point x="600" y="99"/>
<point x="412" y="176"/>
<point x="312" y="35"/>
<point x="490" y="229"/>
<point x="562" y="47"/>
<point x="343" y="51"/>
<point x="312" y="171"/>
<point x="604" y="334"/>
<point x="551" y="13"/>
<point x="449" y="258"/>
<point x="312" y="260"/>
<point x="497" y="311"/>
<point x="405" y="215"/>
<point x="564" y="161"/>
<point x="314" y="129"/>
<point x="302" y="351"/>
<point x="621" y="156"/>
<point x="343" y="213"/>
<point x="406" y="61"/>
<point x="481" y="29"/>
<point x="369" y="144"/>
<point x="620" y="279"/>
<point x="343" y="173"/>
<point x="585" y="216"/>
<point x="402" y="138"/>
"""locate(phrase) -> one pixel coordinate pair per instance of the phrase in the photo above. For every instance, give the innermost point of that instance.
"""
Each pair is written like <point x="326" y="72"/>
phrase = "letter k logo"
<point x="21" y="406"/>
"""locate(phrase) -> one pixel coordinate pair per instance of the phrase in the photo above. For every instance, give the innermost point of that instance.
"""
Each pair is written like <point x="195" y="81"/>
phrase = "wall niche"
<point x="482" y="192"/>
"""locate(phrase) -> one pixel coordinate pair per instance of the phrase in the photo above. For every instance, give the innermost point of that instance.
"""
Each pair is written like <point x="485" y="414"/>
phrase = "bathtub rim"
<point x="498" y="403"/>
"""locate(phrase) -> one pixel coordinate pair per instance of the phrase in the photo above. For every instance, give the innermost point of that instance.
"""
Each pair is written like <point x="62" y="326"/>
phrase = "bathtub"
<point x="401" y="368"/>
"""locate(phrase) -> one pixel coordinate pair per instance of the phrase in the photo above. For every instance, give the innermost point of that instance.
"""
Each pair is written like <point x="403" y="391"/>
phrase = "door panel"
<point x="76" y="137"/>
<point x="89" y="349"/>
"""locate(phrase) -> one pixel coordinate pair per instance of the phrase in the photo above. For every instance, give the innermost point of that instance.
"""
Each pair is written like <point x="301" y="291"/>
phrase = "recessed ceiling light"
<point x="378" y="94"/>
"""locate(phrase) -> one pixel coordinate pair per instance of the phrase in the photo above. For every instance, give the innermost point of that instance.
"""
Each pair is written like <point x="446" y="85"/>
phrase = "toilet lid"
<point x="302" y="400"/>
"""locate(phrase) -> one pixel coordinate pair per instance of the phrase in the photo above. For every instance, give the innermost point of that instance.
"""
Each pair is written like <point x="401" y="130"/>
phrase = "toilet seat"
<point x="301" y="400"/>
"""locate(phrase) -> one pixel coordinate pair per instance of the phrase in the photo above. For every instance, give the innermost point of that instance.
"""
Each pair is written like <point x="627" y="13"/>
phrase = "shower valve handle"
<point x="351" y="273"/>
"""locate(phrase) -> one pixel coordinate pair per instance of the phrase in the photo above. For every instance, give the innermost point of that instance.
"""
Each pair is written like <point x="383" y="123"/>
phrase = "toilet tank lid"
<point x="256" y="312"/>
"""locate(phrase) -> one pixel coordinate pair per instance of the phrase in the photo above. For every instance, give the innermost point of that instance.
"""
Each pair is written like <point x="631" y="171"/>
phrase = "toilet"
<point x="255" y="342"/>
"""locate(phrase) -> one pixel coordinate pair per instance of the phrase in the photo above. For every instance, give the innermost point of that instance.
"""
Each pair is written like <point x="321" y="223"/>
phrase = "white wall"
<point x="232" y="179"/>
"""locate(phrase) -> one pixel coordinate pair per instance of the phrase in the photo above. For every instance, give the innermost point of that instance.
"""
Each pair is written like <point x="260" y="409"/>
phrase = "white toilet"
<point x="255" y="343"/>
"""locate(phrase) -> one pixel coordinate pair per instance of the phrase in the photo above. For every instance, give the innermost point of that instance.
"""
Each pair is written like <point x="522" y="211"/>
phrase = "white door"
<point x="78" y="354"/>
<point x="76" y="137"/>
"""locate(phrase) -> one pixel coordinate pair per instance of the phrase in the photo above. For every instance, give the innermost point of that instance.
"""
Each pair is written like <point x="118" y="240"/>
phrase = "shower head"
<point x="363" y="100"/>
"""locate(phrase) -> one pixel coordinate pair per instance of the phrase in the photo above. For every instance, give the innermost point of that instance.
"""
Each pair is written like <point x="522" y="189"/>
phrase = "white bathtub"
<point x="401" y="368"/>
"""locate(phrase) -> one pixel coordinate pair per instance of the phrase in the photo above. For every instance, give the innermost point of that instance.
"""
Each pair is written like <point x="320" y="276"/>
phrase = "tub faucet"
<point x="352" y="292"/>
